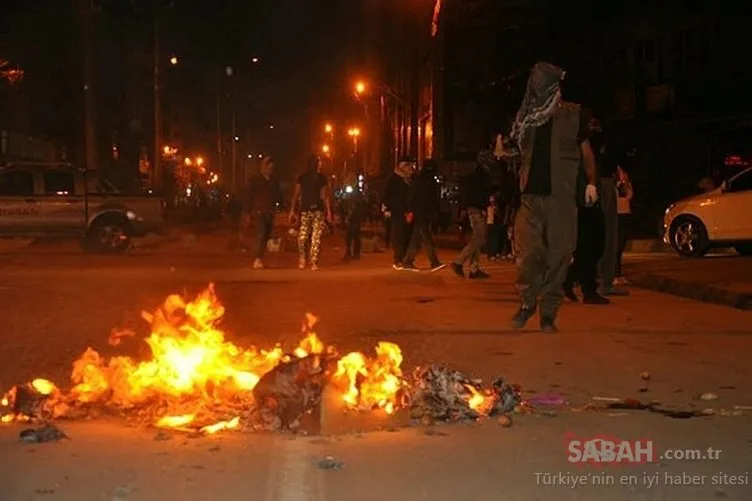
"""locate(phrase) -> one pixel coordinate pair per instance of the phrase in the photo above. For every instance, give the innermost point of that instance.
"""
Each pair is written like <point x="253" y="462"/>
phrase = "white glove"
<point x="591" y="194"/>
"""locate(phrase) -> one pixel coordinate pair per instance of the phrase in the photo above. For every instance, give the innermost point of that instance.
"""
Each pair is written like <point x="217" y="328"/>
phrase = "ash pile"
<point x="440" y="394"/>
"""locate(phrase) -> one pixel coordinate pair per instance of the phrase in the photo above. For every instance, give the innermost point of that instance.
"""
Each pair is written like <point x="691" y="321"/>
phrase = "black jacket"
<point x="396" y="196"/>
<point x="263" y="195"/>
<point x="477" y="192"/>
<point x="424" y="197"/>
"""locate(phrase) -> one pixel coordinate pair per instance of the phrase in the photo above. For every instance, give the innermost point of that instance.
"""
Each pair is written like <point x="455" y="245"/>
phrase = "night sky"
<point x="307" y="51"/>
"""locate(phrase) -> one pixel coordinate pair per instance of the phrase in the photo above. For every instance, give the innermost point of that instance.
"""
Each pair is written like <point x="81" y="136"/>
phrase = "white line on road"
<point x="291" y="473"/>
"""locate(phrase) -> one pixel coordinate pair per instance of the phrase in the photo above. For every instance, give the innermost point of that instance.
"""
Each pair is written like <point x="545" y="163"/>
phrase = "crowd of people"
<point x="558" y="204"/>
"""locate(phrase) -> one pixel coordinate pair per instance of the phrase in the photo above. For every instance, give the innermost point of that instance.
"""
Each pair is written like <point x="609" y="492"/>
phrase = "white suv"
<point x="720" y="218"/>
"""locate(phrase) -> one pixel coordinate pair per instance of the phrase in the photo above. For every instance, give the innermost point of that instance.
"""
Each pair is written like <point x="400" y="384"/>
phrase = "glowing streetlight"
<point x="200" y="161"/>
<point x="328" y="128"/>
<point x="360" y="87"/>
<point x="174" y="60"/>
<point x="188" y="161"/>
<point x="254" y="60"/>
<point x="325" y="149"/>
<point x="354" y="132"/>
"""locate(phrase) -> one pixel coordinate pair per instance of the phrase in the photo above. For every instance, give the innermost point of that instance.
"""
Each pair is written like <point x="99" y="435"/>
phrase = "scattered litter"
<point x="549" y="413"/>
<point x="290" y="390"/>
<point x="743" y="407"/>
<point x="606" y="399"/>
<point x="442" y="394"/>
<point x="214" y="449"/>
<point x="617" y="414"/>
<point x="44" y="492"/>
<point x="48" y="433"/>
<point x="645" y="376"/>
<point x="547" y="400"/>
<point x="433" y="432"/>
<point x="505" y="421"/>
<point x="628" y="404"/>
<point x="707" y="397"/>
<point x="162" y="436"/>
<point x="643" y="389"/>
<point x="731" y="413"/>
<point x="708" y="412"/>
<point x="329" y="463"/>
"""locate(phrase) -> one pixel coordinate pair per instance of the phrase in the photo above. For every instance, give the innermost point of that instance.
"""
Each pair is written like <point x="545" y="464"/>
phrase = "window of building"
<point x="59" y="183"/>
<point x="16" y="183"/>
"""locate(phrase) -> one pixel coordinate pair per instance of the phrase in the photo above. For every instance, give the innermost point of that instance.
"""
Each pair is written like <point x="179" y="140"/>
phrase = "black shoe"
<point x="457" y="269"/>
<point x="594" y="298"/>
<point x="569" y="294"/>
<point x="547" y="325"/>
<point x="478" y="275"/>
<point x="522" y="316"/>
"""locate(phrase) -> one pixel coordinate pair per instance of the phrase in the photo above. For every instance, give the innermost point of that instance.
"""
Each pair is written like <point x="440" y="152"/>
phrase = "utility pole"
<point x="90" y="102"/>
<point x="157" y="164"/>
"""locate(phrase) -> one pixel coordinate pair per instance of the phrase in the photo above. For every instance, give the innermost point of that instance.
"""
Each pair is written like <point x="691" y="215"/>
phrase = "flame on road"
<point x="191" y="361"/>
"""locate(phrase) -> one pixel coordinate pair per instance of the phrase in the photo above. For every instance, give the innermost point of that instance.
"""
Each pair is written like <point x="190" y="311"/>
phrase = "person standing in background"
<point x="312" y="195"/>
<point x="396" y="200"/>
<point x="624" y="192"/>
<point x="475" y="203"/>
<point x="608" y="163"/>
<point x="424" y="205"/>
<point x="261" y="203"/>
<point x="355" y="208"/>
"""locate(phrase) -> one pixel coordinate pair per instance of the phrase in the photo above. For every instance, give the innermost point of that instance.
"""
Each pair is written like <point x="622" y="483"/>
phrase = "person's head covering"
<point x="404" y="168"/>
<point x="542" y="96"/>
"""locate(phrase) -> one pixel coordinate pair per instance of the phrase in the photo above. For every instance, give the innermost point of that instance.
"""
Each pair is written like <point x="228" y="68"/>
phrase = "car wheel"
<point x="689" y="238"/>
<point x="744" y="249"/>
<point x="109" y="235"/>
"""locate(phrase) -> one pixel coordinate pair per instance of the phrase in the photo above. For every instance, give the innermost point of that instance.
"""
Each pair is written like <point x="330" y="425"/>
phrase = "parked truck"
<point x="48" y="200"/>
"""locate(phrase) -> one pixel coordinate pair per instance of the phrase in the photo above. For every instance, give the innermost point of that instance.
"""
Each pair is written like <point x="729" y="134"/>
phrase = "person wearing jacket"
<point x="355" y="209"/>
<point x="396" y="200"/>
<point x="263" y="198"/>
<point x="423" y="200"/>
<point x="475" y="202"/>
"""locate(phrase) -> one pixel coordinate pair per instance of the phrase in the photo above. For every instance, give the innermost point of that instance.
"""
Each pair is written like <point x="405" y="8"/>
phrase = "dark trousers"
<point x="263" y="224"/>
<point x="399" y="229"/>
<point x="544" y="238"/>
<point x="387" y="231"/>
<point x="591" y="231"/>
<point x="498" y="243"/>
<point x="352" y="239"/>
<point x="623" y="230"/>
<point x="607" y="265"/>
<point x="421" y="234"/>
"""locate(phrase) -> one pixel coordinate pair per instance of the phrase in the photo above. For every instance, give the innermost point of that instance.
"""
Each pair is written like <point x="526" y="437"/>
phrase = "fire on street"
<point x="630" y="350"/>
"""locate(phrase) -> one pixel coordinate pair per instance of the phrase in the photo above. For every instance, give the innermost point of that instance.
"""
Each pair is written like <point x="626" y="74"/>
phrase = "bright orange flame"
<point x="372" y="383"/>
<point x="193" y="367"/>
<point x="478" y="402"/>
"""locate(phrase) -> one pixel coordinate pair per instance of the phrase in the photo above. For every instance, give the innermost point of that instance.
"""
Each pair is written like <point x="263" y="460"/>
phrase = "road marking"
<point x="292" y="476"/>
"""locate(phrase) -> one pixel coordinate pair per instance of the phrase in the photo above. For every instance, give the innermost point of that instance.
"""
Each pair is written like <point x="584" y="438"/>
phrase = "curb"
<point x="698" y="292"/>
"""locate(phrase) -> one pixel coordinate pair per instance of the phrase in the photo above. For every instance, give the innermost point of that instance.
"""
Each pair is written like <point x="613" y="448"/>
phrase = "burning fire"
<point x="193" y="369"/>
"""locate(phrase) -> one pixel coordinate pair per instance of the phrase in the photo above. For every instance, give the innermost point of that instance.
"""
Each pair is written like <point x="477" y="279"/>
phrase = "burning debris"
<point x="196" y="381"/>
<point x="441" y="394"/>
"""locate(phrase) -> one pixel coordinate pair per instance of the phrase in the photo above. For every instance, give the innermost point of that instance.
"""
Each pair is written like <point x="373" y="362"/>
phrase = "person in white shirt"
<point x="625" y="193"/>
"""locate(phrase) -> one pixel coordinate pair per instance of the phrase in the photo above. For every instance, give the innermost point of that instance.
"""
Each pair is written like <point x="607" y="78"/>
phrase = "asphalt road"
<point x="57" y="304"/>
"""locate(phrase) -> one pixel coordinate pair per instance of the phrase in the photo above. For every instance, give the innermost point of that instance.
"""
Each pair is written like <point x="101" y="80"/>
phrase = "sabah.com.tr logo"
<point x="608" y="450"/>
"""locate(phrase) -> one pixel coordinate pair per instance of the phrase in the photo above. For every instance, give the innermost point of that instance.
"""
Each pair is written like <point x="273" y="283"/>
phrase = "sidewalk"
<point x="723" y="280"/>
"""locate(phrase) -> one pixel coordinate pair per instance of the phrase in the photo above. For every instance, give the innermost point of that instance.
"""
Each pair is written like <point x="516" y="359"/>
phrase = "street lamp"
<point x="187" y="161"/>
<point x="328" y="128"/>
<point x="325" y="149"/>
<point x="200" y="161"/>
<point x="360" y="88"/>
<point x="174" y="60"/>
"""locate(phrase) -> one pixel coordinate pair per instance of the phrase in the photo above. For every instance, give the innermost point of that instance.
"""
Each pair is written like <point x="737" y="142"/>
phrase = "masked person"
<point x="551" y="137"/>
<point x="261" y="203"/>
<point x="423" y="200"/>
<point x="312" y="194"/>
<point x="396" y="199"/>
